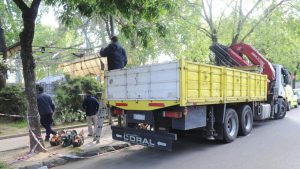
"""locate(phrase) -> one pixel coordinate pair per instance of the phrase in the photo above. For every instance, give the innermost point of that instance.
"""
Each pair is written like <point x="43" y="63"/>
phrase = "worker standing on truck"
<point x="46" y="109"/>
<point x="91" y="107"/>
<point x="115" y="53"/>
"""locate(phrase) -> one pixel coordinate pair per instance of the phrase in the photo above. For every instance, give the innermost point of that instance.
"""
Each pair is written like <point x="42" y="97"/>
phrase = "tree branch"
<point x="228" y="5"/>
<point x="239" y="24"/>
<point x="205" y="31"/>
<point x="107" y="26"/>
<point x="119" y="21"/>
<point x="267" y="12"/>
<point x="210" y="10"/>
<point x="234" y="20"/>
<point x="35" y="4"/>
<point x="208" y="15"/>
<point x="242" y="19"/>
<point x="21" y="4"/>
<point x="204" y="11"/>
<point x="251" y="10"/>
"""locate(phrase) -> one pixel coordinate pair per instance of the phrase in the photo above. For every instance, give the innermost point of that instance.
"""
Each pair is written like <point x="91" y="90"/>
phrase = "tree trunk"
<point x="112" y="26"/>
<point x="26" y="38"/>
<point x="3" y="50"/>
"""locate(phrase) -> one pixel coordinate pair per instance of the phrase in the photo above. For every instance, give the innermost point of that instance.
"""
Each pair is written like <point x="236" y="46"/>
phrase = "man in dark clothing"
<point x="115" y="53"/>
<point x="46" y="109"/>
<point x="91" y="107"/>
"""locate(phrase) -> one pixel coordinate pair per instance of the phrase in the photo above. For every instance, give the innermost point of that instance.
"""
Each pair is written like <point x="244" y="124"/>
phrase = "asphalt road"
<point x="273" y="144"/>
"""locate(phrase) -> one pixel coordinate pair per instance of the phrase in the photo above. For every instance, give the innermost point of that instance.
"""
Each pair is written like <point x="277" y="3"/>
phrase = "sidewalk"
<point x="43" y="131"/>
<point x="12" y="149"/>
<point x="20" y="142"/>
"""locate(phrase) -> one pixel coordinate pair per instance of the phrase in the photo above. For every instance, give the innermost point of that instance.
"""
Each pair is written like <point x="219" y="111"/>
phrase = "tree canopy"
<point x="151" y="30"/>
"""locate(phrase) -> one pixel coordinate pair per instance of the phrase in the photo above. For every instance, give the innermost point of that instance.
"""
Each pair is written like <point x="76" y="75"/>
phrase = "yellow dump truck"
<point x="158" y="101"/>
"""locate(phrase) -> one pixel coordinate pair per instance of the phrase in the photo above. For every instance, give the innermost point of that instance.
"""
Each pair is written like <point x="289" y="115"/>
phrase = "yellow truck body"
<point x="198" y="84"/>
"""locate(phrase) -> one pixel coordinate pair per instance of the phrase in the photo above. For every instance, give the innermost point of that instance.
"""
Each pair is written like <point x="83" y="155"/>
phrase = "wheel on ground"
<point x="245" y="120"/>
<point x="230" y="125"/>
<point x="289" y="107"/>
<point x="282" y="107"/>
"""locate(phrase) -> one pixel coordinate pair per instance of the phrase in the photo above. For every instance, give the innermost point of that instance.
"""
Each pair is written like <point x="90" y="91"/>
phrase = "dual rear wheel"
<point x="237" y="123"/>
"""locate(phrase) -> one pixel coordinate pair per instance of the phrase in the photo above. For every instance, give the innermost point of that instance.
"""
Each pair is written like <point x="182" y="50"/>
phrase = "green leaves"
<point x="69" y="95"/>
<point x="140" y="17"/>
<point x="11" y="19"/>
<point x="278" y="39"/>
<point x="12" y="100"/>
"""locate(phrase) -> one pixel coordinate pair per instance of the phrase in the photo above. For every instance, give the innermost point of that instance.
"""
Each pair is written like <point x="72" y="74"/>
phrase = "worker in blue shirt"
<point x="91" y="106"/>
<point x="46" y="109"/>
<point x="115" y="53"/>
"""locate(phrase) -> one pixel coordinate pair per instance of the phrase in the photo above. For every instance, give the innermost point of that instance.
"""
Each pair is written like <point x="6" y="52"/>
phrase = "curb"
<point x="78" y="156"/>
<point x="43" y="131"/>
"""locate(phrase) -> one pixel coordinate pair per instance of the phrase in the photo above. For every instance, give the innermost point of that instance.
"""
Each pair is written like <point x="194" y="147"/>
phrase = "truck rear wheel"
<point x="282" y="107"/>
<point x="230" y="125"/>
<point x="246" y="120"/>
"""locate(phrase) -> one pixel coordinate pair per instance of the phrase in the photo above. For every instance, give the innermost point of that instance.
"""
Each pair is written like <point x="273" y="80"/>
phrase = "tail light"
<point x="118" y="112"/>
<point x="172" y="114"/>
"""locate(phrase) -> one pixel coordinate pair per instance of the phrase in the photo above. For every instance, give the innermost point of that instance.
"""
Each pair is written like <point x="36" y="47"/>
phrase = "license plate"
<point x="139" y="116"/>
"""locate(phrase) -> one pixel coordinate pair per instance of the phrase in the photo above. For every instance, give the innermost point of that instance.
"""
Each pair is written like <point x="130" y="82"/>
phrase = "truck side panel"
<point x="203" y="84"/>
<point x="151" y="82"/>
<point x="182" y="83"/>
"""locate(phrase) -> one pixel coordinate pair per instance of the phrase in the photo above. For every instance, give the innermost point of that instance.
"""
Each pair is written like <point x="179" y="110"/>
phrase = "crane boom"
<point x="254" y="56"/>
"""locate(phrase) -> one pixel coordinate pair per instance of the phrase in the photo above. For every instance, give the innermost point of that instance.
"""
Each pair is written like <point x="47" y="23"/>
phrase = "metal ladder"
<point x="100" y="119"/>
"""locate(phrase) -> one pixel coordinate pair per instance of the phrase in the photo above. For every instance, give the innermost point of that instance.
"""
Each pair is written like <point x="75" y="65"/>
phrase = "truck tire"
<point x="245" y="120"/>
<point x="282" y="110"/>
<point x="289" y="107"/>
<point x="230" y="125"/>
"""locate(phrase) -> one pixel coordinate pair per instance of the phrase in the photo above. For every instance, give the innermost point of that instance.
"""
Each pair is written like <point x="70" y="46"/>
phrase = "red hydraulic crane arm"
<point x="254" y="56"/>
<point x="237" y="58"/>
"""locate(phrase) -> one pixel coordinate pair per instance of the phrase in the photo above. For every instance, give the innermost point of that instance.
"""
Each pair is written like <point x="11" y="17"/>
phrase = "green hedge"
<point x="69" y="97"/>
<point x="12" y="101"/>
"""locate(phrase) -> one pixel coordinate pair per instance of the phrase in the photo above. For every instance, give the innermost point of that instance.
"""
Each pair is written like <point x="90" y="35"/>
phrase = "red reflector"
<point x="156" y="104"/>
<point x="118" y="112"/>
<point x="172" y="114"/>
<point x="121" y="104"/>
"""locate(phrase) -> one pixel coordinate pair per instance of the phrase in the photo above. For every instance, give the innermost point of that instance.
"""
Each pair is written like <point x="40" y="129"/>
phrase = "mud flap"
<point x="158" y="140"/>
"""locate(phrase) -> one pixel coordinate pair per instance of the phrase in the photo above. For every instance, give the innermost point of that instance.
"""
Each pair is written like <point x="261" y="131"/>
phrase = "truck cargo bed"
<point x="182" y="83"/>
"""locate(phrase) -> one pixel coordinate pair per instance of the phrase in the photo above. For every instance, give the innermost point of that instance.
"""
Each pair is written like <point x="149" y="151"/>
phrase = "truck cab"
<point x="277" y="94"/>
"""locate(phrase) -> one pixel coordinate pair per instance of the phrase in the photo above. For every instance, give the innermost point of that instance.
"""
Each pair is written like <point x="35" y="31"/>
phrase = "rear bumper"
<point x="158" y="140"/>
